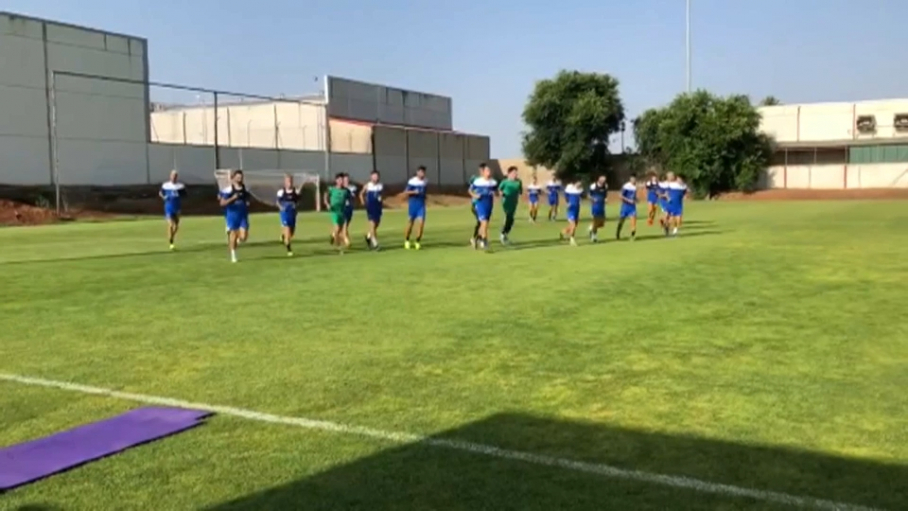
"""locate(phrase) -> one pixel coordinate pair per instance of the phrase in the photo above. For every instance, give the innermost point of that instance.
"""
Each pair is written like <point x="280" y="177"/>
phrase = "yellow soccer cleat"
<point x="172" y="246"/>
<point x="417" y="246"/>
<point x="407" y="245"/>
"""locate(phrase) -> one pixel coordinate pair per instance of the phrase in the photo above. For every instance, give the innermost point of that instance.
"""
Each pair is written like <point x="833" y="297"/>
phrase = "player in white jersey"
<point x="573" y="194"/>
<point x="371" y="199"/>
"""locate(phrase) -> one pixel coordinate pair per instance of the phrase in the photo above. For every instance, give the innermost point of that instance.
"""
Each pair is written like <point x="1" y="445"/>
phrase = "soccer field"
<point x="757" y="361"/>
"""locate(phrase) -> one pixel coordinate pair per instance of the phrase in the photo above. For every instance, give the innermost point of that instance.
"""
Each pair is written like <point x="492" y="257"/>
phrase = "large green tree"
<point x="570" y="119"/>
<point x="714" y="142"/>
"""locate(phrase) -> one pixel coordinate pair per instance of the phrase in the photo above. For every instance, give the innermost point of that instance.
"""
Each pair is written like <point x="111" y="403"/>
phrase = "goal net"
<point x="263" y="185"/>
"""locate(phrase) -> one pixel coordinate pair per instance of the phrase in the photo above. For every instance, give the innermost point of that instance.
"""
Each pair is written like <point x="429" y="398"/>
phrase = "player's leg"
<point x="408" y="230"/>
<point x="633" y="218"/>
<point x="288" y="228"/>
<point x="509" y="215"/>
<point x="420" y="227"/>
<point x="173" y="225"/>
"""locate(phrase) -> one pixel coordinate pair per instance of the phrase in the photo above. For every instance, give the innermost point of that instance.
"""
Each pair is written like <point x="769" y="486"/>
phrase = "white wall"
<point x="92" y="115"/>
<point x="838" y="177"/>
<point x="823" y="122"/>
<point x="284" y="125"/>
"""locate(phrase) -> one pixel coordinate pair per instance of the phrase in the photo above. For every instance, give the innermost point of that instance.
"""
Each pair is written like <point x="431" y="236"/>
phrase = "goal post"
<point x="263" y="185"/>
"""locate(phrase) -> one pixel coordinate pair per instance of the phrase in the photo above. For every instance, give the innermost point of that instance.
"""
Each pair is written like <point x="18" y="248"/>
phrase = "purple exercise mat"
<point x="28" y="462"/>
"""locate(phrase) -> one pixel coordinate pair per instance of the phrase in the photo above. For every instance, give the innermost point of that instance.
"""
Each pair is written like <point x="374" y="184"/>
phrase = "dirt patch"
<point x="789" y="194"/>
<point x="17" y="213"/>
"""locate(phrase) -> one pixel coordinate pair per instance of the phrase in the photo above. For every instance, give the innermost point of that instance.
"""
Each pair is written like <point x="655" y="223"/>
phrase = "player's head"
<point x="670" y="176"/>
<point x="339" y="179"/>
<point x="238" y="177"/>
<point x="174" y="175"/>
<point x="533" y="179"/>
<point x="512" y="172"/>
<point x="632" y="180"/>
<point x="346" y="179"/>
<point x="480" y="169"/>
<point x="484" y="170"/>
<point x="601" y="180"/>
<point x="421" y="171"/>
<point x="288" y="181"/>
<point x="375" y="176"/>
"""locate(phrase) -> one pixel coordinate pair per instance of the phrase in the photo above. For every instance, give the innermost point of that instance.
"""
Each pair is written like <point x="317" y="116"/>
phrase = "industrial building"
<point x="80" y="110"/>
<point x="836" y="146"/>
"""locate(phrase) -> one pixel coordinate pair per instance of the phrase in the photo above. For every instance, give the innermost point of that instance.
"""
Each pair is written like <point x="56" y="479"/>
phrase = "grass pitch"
<point x="766" y="348"/>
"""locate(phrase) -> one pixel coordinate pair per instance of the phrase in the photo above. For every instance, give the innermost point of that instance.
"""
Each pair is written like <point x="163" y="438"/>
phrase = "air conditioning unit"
<point x="900" y="122"/>
<point x="865" y="124"/>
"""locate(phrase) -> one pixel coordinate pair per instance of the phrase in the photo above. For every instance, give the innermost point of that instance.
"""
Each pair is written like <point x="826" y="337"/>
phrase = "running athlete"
<point x="652" y="196"/>
<point x="628" y="207"/>
<point x="510" y="189"/>
<point x="553" y="190"/>
<point x="533" y="193"/>
<point x="172" y="193"/>
<point x="573" y="194"/>
<point x="235" y="201"/>
<point x="416" y="207"/>
<point x="371" y="198"/>
<point x="483" y="189"/>
<point x="288" y="199"/>
<point x="598" y="196"/>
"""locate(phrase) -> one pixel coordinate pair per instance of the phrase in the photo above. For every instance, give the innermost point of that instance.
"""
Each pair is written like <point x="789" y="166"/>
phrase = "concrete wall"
<point x="272" y="125"/>
<point x="451" y="158"/>
<point x="351" y="137"/>
<point x="823" y="122"/>
<point x="373" y="103"/>
<point x="92" y="115"/>
<point x="838" y="177"/>
<point x="390" y="148"/>
<point x="476" y="151"/>
<point x="422" y="150"/>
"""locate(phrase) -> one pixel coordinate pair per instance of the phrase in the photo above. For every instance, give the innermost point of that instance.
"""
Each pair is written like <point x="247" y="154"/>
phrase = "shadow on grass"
<point x="612" y="468"/>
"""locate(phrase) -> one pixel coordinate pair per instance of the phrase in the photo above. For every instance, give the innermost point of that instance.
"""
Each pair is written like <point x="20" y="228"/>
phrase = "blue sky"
<point x="487" y="54"/>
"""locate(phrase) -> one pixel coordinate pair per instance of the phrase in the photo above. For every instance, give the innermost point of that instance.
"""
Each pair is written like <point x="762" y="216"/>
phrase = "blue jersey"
<point x="573" y="195"/>
<point x="372" y="196"/>
<point x="172" y="194"/>
<point x="628" y="200"/>
<point x="351" y="196"/>
<point x="598" y="196"/>
<point x="483" y="191"/>
<point x="652" y="191"/>
<point x="553" y="189"/>
<point x="240" y="207"/>
<point x="533" y="193"/>
<point x="470" y="187"/>
<point x="288" y="200"/>
<point x="676" y="192"/>
<point x="662" y="190"/>
<point x="416" y="202"/>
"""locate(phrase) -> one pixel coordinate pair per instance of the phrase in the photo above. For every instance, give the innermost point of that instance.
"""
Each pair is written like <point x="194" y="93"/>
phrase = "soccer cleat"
<point x="473" y="242"/>
<point x="573" y="242"/>
<point x="407" y="245"/>
<point x="417" y="246"/>
<point x="172" y="247"/>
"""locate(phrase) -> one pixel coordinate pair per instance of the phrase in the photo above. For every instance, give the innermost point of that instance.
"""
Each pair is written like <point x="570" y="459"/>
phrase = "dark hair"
<point x="237" y="172"/>
<point x="483" y="165"/>
<point x="421" y="167"/>
<point x="376" y="172"/>
<point x="339" y="175"/>
<point x="512" y="169"/>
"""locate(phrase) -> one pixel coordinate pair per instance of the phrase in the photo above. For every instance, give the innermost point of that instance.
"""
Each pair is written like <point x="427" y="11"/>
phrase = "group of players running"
<point x="665" y="194"/>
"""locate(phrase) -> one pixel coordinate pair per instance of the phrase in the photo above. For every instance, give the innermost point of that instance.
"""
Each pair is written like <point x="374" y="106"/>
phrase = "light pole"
<point x="687" y="45"/>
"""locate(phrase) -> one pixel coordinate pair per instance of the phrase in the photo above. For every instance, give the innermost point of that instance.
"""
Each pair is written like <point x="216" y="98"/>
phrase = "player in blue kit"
<point x="348" y="209"/>
<point x="652" y="196"/>
<point x="533" y="193"/>
<point x="235" y="201"/>
<point x="598" y="196"/>
<point x="553" y="191"/>
<point x="628" y="208"/>
<point x="416" y="208"/>
<point x="479" y="171"/>
<point x="172" y="193"/>
<point x="573" y="194"/>
<point x="483" y="190"/>
<point x="288" y="199"/>
<point x="677" y="190"/>
<point x="371" y="198"/>
<point x="663" y="199"/>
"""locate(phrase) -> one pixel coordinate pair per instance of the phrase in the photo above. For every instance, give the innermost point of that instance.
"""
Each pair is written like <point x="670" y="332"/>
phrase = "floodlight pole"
<point x="687" y="45"/>
<point x="54" y="149"/>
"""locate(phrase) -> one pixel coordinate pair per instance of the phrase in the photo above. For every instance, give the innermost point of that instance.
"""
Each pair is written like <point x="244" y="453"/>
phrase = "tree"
<point x="770" y="101"/>
<point x="714" y="142"/>
<point x="571" y="118"/>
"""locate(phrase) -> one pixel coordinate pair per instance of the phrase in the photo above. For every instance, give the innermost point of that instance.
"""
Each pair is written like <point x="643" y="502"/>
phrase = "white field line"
<point x="487" y="450"/>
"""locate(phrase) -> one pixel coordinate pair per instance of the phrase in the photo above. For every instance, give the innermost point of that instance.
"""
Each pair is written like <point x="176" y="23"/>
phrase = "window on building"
<point x="878" y="154"/>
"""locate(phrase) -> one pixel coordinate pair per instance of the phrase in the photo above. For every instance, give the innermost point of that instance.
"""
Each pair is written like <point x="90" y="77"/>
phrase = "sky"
<point x="488" y="54"/>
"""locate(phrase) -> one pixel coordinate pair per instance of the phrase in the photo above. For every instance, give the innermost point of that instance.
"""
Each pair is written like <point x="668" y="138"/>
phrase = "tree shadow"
<point x="585" y="466"/>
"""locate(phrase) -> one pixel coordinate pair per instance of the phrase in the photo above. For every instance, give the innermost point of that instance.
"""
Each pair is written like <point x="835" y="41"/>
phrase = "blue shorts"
<point x="676" y="210"/>
<point x="598" y="213"/>
<point x="171" y="214"/>
<point x="553" y="201"/>
<point x="237" y="222"/>
<point x="652" y="199"/>
<point x="483" y="212"/>
<point x="573" y="214"/>
<point x="417" y="211"/>
<point x="628" y="211"/>
<point x="288" y="220"/>
<point x="533" y="200"/>
<point x="348" y="214"/>
<point x="663" y="206"/>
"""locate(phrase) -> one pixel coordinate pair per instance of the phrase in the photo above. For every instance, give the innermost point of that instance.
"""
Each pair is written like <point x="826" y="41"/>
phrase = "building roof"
<point x="70" y="25"/>
<point x="841" y="144"/>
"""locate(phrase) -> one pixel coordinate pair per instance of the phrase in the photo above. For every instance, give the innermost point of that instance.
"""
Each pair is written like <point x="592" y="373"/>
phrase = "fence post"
<point x="217" y="148"/>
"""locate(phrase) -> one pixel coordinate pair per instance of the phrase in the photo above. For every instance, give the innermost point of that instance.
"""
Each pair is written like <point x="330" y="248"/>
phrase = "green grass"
<point x="765" y="348"/>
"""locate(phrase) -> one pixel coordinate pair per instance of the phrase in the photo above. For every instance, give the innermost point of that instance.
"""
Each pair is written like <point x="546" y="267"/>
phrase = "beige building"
<point x="837" y="146"/>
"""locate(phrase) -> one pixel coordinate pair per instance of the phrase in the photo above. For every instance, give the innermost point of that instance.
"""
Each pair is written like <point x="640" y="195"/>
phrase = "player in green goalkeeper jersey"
<point x="336" y="202"/>
<point x="511" y="189"/>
